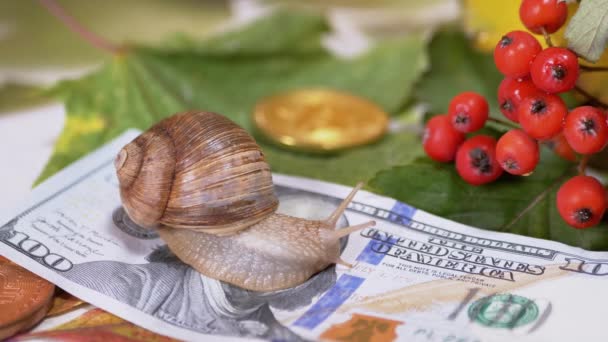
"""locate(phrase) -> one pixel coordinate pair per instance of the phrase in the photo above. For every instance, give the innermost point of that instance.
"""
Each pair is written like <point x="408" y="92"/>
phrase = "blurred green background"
<point x="32" y="38"/>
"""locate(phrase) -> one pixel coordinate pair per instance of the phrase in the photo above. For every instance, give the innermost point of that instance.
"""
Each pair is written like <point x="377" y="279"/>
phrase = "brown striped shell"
<point x="195" y="170"/>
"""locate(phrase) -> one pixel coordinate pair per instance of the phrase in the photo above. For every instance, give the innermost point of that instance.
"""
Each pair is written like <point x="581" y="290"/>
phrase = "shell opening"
<point x="128" y="163"/>
<point x="120" y="159"/>
<point x="144" y="169"/>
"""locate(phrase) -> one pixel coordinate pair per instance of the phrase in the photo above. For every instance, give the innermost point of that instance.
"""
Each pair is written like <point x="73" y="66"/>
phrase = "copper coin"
<point x="24" y="299"/>
<point x="26" y="323"/>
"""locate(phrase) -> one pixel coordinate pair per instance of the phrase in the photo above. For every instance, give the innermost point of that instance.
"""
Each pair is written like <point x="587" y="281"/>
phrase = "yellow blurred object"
<point x="488" y="21"/>
<point x="320" y="120"/>
<point x="64" y="302"/>
<point x="595" y="83"/>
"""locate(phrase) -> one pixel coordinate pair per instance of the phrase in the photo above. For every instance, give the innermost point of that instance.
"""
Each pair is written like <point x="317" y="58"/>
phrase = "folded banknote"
<point x="415" y="276"/>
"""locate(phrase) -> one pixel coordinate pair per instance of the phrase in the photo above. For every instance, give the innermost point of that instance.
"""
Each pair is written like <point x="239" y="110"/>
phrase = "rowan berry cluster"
<point x="528" y="96"/>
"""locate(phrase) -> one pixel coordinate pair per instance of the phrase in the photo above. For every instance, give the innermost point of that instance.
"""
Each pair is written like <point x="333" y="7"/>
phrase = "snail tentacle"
<point x="332" y="220"/>
<point x="343" y="262"/>
<point x="337" y="234"/>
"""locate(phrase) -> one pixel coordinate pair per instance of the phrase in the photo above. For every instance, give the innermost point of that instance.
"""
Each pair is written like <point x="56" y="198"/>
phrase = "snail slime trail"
<point x="204" y="182"/>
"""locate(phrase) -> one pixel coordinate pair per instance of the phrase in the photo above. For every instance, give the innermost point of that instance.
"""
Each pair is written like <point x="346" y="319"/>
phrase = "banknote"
<point x="415" y="276"/>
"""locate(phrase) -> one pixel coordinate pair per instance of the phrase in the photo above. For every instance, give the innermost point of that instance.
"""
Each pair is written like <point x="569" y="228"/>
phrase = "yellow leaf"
<point x="488" y="21"/>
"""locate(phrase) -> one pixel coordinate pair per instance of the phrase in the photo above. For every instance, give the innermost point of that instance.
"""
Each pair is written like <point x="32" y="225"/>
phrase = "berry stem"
<point x="588" y="68"/>
<point x="99" y="42"/>
<point x="592" y="99"/>
<point x="582" y="166"/>
<point x="502" y="122"/>
<point x="547" y="37"/>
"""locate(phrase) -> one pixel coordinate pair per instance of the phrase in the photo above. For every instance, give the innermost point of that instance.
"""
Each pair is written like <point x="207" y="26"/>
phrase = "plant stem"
<point x="99" y="42"/>
<point x="594" y="100"/>
<point x="582" y="165"/>
<point x="547" y="37"/>
<point x="502" y="122"/>
<point x="588" y="68"/>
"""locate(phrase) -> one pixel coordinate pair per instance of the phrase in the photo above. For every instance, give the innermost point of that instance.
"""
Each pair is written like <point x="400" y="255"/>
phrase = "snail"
<point x="204" y="183"/>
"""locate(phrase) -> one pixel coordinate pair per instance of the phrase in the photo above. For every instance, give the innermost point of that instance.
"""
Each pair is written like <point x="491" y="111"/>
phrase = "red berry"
<point x="440" y="139"/>
<point x="539" y="14"/>
<point x="476" y="160"/>
<point x="581" y="201"/>
<point x="542" y="115"/>
<point x="511" y="92"/>
<point x="555" y="70"/>
<point x="560" y="146"/>
<point x="515" y="52"/>
<point x="517" y="153"/>
<point x="586" y="129"/>
<point x="468" y="111"/>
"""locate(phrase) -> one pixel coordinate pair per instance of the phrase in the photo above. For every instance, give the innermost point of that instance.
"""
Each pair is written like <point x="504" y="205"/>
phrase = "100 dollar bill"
<point x="416" y="276"/>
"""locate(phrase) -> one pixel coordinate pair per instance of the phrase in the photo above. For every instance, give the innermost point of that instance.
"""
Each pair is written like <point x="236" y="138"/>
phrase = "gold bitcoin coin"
<point x="319" y="120"/>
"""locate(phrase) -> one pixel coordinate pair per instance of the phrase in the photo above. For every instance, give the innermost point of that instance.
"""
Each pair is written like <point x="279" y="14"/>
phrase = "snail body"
<point x="204" y="183"/>
<point x="276" y="253"/>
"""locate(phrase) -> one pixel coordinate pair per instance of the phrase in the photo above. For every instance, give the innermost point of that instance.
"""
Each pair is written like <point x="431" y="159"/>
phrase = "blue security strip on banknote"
<point x="347" y="285"/>
<point x="330" y="301"/>
<point x="401" y="213"/>
<point x="415" y="276"/>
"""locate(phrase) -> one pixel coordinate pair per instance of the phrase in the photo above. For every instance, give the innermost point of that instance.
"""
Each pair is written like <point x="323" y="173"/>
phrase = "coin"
<point x="319" y="119"/>
<point x="26" y="323"/>
<point x="24" y="299"/>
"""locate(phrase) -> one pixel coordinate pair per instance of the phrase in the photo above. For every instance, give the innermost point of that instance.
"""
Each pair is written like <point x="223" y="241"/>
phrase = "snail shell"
<point x="195" y="170"/>
<point x="203" y="181"/>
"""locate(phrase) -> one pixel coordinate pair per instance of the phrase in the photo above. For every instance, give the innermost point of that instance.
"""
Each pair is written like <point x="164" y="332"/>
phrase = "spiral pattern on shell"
<point x="195" y="170"/>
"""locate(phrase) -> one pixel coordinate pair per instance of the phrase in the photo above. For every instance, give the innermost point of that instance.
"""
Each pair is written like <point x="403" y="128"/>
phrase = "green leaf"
<point x="31" y="37"/>
<point x="520" y="205"/>
<point x="457" y="67"/>
<point x="587" y="31"/>
<point x="300" y="32"/>
<point x="229" y="75"/>
<point x="350" y="167"/>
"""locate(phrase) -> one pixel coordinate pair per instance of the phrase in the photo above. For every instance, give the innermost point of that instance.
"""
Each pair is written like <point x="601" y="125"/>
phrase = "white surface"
<point x="42" y="76"/>
<point x="26" y="142"/>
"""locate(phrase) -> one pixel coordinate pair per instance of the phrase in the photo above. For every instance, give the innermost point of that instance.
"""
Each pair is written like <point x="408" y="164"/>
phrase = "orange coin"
<point x="26" y="323"/>
<point x="24" y="299"/>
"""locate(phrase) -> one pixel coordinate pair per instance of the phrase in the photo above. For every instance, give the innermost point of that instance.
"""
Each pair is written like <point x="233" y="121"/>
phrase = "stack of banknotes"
<point x="416" y="276"/>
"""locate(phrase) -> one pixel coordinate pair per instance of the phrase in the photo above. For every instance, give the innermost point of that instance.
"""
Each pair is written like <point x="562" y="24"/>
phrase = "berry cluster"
<point x="528" y="95"/>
